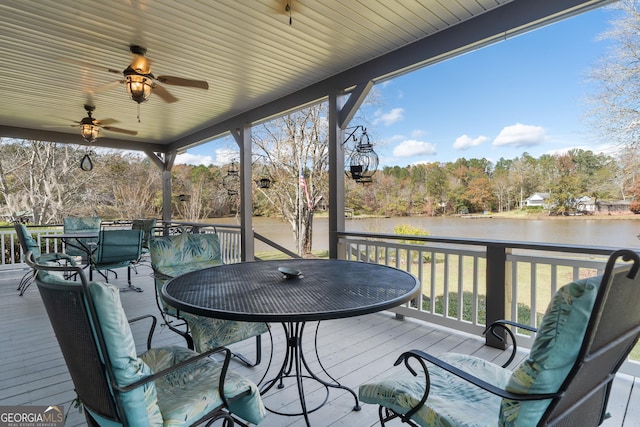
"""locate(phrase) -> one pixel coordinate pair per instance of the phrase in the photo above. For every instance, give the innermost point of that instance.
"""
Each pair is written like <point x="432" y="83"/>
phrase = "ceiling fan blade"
<point x="164" y="94"/>
<point x="105" y="122"/>
<point x="83" y="64"/>
<point x="179" y="81"/>
<point x="119" y="130"/>
<point x="107" y="86"/>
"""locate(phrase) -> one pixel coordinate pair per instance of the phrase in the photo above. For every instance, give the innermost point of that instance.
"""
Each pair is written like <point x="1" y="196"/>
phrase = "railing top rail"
<point x="207" y="224"/>
<point x="552" y="247"/>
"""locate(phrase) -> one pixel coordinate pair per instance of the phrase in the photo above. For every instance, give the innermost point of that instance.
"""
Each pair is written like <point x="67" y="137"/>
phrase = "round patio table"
<point x="312" y="290"/>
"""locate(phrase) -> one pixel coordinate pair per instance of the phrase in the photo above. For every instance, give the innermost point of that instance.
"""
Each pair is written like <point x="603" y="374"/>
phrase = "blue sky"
<point x="525" y="94"/>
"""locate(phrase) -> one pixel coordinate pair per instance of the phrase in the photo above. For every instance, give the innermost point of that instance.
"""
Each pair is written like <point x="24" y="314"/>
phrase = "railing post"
<point x="496" y="291"/>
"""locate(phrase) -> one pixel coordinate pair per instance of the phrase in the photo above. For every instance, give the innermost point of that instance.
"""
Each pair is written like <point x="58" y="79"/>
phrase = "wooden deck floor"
<point x="32" y="371"/>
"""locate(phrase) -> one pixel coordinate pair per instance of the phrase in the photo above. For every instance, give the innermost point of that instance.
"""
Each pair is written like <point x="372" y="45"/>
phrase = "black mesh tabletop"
<point x="257" y="291"/>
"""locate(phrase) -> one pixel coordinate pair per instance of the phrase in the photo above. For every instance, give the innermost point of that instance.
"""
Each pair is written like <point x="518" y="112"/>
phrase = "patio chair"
<point x="182" y="253"/>
<point x="28" y="244"/>
<point x="115" y="386"/>
<point x="116" y="249"/>
<point x="586" y="334"/>
<point x="146" y="225"/>
<point x="78" y="247"/>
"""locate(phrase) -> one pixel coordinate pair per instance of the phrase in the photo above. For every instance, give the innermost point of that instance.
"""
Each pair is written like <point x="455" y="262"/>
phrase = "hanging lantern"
<point x="264" y="182"/>
<point x="363" y="161"/>
<point x="231" y="182"/>
<point x="86" y="164"/>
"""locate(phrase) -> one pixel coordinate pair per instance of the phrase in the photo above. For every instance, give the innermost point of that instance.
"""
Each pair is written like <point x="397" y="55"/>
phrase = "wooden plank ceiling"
<point x="258" y="58"/>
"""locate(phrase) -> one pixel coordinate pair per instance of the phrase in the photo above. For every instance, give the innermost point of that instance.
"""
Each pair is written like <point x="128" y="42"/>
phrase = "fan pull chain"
<point x="139" y="114"/>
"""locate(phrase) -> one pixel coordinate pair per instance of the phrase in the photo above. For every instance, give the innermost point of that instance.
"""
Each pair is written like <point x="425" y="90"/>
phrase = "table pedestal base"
<point x="295" y="366"/>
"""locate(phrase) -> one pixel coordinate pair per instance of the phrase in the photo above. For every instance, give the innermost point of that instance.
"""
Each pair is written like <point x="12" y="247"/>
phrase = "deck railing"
<point x="466" y="283"/>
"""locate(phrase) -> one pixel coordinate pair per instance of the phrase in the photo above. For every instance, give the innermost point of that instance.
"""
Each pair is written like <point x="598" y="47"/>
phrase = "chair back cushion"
<point x="146" y="225"/>
<point x="140" y="404"/>
<point x="185" y="248"/>
<point x="118" y="246"/>
<point x="83" y="224"/>
<point x="174" y="255"/>
<point x="553" y="353"/>
<point x="27" y="243"/>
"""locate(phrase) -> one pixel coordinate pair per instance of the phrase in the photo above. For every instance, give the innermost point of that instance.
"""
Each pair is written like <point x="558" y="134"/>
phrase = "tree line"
<point x="479" y="185"/>
<point x="44" y="179"/>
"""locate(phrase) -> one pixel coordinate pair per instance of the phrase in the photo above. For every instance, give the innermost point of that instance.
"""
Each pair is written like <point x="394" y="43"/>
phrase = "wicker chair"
<point x="163" y="386"/>
<point x="587" y="332"/>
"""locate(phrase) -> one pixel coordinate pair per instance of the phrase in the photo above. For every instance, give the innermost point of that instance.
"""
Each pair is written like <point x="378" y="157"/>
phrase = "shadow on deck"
<point x="353" y="350"/>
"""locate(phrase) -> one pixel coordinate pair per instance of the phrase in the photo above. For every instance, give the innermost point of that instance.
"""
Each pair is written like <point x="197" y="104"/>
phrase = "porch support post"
<point x="336" y="176"/>
<point x="243" y="139"/>
<point x="340" y="114"/>
<point x="164" y="161"/>
<point x="496" y="292"/>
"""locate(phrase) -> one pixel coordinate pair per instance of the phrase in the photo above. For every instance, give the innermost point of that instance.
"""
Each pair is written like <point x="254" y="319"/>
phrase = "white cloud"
<point x="417" y="133"/>
<point x="223" y="156"/>
<point x="393" y="116"/>
<point x="226" y="155"/>
<point x="465" y="142"/>
<point x="520" y="135"/>
<point x="193" y="159"/>
<point x="412" y="147"/>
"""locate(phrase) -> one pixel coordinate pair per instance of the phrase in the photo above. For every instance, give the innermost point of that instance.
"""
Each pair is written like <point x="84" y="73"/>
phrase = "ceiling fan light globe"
<point x="89" y="132"/>
<point x="139" y="87"/>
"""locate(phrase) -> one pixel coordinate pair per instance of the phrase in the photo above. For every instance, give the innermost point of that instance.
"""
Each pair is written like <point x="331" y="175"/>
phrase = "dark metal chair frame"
<point x="28" y="277"/>
<point x="73" y="316"/>
<point x="612" y="332"/>
<point x="112" y="253"/>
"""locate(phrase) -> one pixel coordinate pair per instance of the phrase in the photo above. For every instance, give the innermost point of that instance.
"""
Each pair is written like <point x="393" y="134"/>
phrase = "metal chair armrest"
<point x="504" y="325"/>
<point x="152" y="329"/>
<point x="421" y="357"/>
<point x="167" y="371"/>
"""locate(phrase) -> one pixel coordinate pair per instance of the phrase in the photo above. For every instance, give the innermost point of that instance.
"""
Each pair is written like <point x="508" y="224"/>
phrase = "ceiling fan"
<point x="90" y="127"/>
<point x="140" y="82"/>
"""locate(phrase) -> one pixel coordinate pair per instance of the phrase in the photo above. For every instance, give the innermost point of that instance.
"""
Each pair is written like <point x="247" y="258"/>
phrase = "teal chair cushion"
<point x="172" y="256"/>
<point x="117" y="248"/>
<point x="455" y="402"/>
<point x="452" y="401"/>
<point x="146" y="225"/>
<point x="553" y="353"/>
<point x="209" y="333"/>
<point x="83" y="224"/>
<point x="29" y="241"/>
<point x="140" y="404"/>
<point x="177" y="399"/>
<point x="186" y="394"/>
<point x="184" y="248"/>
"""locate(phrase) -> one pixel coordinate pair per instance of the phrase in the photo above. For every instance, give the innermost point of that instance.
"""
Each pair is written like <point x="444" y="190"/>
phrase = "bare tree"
<point x="40" y="177"/>
<point x="293" y="149"/>
<point x="614" y="111"/>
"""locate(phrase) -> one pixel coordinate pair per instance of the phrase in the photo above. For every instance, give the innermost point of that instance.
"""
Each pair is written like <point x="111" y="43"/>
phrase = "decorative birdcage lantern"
<point x="363" y="161"/>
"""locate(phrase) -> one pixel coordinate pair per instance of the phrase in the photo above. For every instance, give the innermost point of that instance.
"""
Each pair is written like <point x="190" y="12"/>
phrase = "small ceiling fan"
<point x="90" y="127"/>
<point x="140" y="82"/>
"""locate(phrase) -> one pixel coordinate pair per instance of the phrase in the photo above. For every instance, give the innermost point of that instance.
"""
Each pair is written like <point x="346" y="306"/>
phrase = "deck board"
<point x="353" y="350"/>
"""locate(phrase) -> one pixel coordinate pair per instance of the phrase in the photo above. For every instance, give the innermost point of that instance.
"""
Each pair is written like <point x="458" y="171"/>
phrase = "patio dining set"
<point x="587" y="332"/>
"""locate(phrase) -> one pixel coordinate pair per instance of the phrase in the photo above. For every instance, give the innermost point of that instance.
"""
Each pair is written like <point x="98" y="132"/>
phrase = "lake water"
<point x="616" y="232"/>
